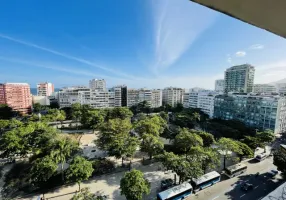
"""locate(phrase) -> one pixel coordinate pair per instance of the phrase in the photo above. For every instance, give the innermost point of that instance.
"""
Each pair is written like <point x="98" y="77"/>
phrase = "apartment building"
<point x="219" y="85"/>
<point x="281" y="87"/>
<point x="120" y="95"/>
<point x="264" y="88"/>
<point x="172" y="96"/>
<point x="186" y="100"/>
<point x="239" y="78"/>
<point x="258" y="111"/>
<point x="70" y="95"/>
<point x="97" y="84"/>
<point x="17" y="96"/>
<point x="45" y="89"/>
<point x="203" y="100"/>
<point x="102" y="99"/>
<point x="152" y="97"/>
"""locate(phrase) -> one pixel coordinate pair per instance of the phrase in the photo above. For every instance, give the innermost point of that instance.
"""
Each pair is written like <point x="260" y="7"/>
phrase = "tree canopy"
<point x="133" y="185"/>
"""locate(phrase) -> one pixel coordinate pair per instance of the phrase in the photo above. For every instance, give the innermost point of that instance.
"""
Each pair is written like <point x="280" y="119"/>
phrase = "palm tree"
<point x="62" y="149"/>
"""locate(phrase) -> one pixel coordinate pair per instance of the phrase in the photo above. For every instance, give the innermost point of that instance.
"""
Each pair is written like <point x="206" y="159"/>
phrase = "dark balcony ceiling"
<point x="266" y="14"/>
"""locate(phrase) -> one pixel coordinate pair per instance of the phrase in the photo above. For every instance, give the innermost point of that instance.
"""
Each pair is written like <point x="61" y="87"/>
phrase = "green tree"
<point x="179" y="107"/>
<point x="208" y="139"/>
<point x="42" y="170"/>
<point x="246" y="151"/>
<point x="185" y="140"/>
<point x="92" y="119"/>
<point x="14" y="123"/>
<point x="79" y="170"/>
<point x="6" y="112"/>
<point x="3" y="125"/>
<point x="151" y="125"/>
<point x="279" y="158"/>
<point x="164" y="116"/>
<point x="37" y="107"/>
<point x="76" y="112"/>
<point x="133" y="185"/>
<point x="63" y="149"/>
<point x="265" y="137"/>
<point x="151" y="144"/>
<point x="120" y="112"/>
<point x="226" y="146"/>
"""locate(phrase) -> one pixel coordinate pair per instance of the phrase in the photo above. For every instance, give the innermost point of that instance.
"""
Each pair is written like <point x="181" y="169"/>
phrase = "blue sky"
<point x="150" y="43"/>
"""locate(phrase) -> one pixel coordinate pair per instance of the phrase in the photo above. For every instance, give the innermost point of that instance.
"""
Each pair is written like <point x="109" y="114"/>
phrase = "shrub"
<point x="102" y="166"/>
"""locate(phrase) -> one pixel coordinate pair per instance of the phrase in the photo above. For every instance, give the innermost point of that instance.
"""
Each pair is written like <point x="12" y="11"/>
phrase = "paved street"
<point x="230" y="188"/>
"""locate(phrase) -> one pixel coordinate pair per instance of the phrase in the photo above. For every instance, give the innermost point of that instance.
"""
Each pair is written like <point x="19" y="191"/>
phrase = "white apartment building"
<point x="186" y="100"/>
<point x="100" y="99"/>
<point x="152" y="97"/>
<point x="172" y="96"/>
<point x="71" y="95"/>
<point x="281" y="88"/>
<point x="203" y="100"/>
<point x="97" y="84"/>
<point x="264" y="88"/>
<point x="45" y="89"/>
<point x="219" y="85"/>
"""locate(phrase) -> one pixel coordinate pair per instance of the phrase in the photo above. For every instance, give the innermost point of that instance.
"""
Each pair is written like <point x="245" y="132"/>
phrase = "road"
<point x="230" y="188"/>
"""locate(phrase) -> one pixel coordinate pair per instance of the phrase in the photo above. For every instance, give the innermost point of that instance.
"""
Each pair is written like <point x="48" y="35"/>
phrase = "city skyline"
<point x="150" y="44"/>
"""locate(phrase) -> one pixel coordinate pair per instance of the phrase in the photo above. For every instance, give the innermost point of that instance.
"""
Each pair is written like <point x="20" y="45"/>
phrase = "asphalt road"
<point x="230" y="188"/>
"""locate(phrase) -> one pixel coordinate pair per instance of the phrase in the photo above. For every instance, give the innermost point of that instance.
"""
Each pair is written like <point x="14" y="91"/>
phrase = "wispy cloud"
<point x="240" y="53"/>
<point x="176" y="27"/>
<point x="256" y="47"/>
<point x="270" y="72"/>
<point x="64" y="55"/>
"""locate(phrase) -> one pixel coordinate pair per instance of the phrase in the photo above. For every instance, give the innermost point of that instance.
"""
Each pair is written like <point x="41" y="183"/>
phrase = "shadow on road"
<point x="253" y="161"/>
<point x="263" y="184"/>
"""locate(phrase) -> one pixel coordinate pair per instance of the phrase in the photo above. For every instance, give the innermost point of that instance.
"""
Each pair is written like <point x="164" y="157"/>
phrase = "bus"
<point x="175" y="193"/>
<point x="261" y="157"/>
<point x="235" y="170"/>
<point x="206" y="180"/>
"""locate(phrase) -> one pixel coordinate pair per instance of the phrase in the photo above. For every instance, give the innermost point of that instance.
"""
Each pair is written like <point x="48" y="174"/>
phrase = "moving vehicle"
<point x="246" y="186"/>
<point x="166" y="183"/>
<point x="178" y="192"/>
<point x="235" y="170"/>
<point x="205" y="181"/>
<point x="261" y="157"/>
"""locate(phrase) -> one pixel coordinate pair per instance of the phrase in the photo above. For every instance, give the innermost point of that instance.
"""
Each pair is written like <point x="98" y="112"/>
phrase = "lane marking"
<point x="215" y="197"/>
<point x="242" y="196"/>
<point x="256" y="187"/>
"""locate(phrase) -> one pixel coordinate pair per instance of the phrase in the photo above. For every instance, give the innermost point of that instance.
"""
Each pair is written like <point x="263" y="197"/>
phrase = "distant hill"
<point x="281" y="81"/>
<point x="34" y="90"/>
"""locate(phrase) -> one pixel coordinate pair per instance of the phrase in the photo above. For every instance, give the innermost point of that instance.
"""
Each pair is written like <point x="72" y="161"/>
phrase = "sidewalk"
<point x="109" y="185"/>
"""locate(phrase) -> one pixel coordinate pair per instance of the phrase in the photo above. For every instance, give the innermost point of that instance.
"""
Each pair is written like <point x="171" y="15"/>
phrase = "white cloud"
<point x="270" y="72"/>
<point x="177" y="26"/>
<point x="256" y="46"/>
<point x="64" y="55"/>
<point x="240" y="54"/>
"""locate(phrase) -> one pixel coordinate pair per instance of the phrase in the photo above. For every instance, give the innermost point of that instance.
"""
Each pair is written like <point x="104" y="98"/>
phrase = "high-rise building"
<point x="172" y="96"/>
<point x="120" y="95"/>
<point x="219" y="85"/>
<point x="97" y="84"/>
<point x="239" y="79"/>
<point x="45" y="89"/>
<point x="17" y="96"/>
<point x="258" y="111"/>
<point x="264" y="88"/>
<point x="152" y="97"/>
<point x="281" y="88"/>
<point x="71" y="95"/>
<point x="203" y="100"/>
<point x="186" y="100"/>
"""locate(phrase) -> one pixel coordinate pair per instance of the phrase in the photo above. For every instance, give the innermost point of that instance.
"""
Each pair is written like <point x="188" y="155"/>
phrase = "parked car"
<point x="166" y="183"/>
<point x="273" y="173"/>
<point x="246" y="186"/>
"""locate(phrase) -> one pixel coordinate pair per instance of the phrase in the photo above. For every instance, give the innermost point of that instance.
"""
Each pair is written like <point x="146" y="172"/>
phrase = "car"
<point x="166" y="183"/>
<point x="273" y="173"/>
<point x="246" y="186"/>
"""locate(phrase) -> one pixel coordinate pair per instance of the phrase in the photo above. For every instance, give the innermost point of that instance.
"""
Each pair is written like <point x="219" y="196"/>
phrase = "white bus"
<point x="178" y="192"/>
<point x="261" y="157"/>
<point x="205" y="181"/>
<point x="235" y="170"/>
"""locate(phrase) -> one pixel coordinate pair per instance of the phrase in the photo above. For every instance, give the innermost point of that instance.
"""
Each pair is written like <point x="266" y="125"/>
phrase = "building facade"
<point x="186" y="100"/>
<point x="203" y="100"/>
<point x="71" y="95"/>
<point x="152" y="97"/>
<point x="281" y="87"/>
<point x="239" y="78"/>
<point x="17" y="96"/>
<point x="262" y="112"/>
<point x="264" y="88"/>
<point x="45" y="89"/>
<point x="219" y="85"/>
<point x="97" y="84"/>
<point x="172" y="96"/>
